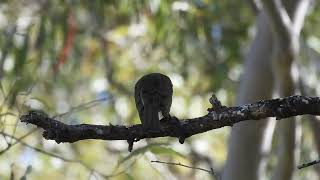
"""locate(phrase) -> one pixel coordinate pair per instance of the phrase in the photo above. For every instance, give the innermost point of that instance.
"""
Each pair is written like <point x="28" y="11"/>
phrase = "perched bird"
<point x="153" y="94"/>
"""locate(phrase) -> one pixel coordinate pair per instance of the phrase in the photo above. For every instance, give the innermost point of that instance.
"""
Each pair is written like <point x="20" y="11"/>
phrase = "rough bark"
<point x="218" y="116"/>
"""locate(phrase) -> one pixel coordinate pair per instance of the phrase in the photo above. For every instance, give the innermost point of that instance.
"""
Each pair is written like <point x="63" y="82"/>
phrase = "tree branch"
<point x="279" y="18"/>
<point x="299" y="15"/>
<point x="217" y="117"/>
<point x="283" y="23"/>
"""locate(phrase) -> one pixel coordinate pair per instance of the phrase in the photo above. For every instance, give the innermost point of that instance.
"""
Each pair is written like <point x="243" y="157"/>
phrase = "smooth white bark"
<point x="246" y="144"/>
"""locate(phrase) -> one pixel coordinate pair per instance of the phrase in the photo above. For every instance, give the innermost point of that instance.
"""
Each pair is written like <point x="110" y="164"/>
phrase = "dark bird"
<point x="153" y="94"/>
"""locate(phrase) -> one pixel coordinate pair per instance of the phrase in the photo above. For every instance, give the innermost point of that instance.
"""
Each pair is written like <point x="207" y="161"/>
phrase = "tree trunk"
<point x="248" y="139"/>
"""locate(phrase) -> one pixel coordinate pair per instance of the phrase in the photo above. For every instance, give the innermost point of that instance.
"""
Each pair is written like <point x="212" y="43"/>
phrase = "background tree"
<point x="79" y="62"/>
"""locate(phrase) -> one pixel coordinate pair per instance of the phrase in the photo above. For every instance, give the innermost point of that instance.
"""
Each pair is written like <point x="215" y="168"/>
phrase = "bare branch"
<point x="83" y="106"/>
<point x="217" y="117"/>
<point x="284" y="24"/>
<point x="39" y="150"/>
<point x="191" y="167"/>
<point x="17" y="140"/>
<point x="279" y="18"/>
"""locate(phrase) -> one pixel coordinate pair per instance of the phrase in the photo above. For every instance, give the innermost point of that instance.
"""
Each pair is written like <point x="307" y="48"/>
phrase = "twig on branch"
<point x="83" y="106"/>
<point x="218" y="116"/>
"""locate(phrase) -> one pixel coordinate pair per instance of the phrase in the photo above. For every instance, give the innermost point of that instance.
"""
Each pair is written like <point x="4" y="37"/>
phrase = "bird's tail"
<point x="151" y="118"/>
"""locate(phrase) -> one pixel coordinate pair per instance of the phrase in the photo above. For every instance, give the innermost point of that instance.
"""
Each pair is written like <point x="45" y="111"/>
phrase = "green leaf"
<point x="158" y="148"/>
<point x="165" y="150"/>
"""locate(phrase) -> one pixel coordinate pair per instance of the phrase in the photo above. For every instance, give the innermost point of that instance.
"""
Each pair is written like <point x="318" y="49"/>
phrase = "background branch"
<point x="279" y="18"/>
<point x="191" y="167"/>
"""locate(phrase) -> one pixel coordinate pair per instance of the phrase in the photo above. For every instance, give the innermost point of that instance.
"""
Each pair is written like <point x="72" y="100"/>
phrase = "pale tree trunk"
<point x="286" y="19"/>
<point x="249" y="140"/>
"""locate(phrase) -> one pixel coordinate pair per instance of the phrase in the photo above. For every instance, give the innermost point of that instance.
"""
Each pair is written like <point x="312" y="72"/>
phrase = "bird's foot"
<point x="178" y="127"/>
<point x="170" y="119"/>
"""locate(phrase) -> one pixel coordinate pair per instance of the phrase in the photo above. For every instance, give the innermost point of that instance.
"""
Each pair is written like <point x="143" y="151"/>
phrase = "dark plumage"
<point x="153" y="94"/>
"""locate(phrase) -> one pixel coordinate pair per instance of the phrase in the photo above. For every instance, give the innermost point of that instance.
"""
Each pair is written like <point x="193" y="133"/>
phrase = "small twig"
<point x="191" y="167"/>
<point x="309" y="164"/>
<point x="130" y="144"/>
<point x="123" y="170"/>
<point x="39" y="150"/>
<point x="81" y="107"/>
<point x="17" y="140"/>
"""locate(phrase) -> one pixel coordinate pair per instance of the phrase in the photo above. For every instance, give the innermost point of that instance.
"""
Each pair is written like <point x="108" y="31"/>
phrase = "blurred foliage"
<point x="80" y="60"/>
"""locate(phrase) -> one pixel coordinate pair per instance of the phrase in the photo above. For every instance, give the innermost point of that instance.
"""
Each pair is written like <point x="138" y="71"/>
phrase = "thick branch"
<point x="218" y="117"/>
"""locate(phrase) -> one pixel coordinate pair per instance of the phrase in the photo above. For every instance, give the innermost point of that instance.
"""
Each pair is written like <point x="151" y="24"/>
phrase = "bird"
<point x="153" y="94"/>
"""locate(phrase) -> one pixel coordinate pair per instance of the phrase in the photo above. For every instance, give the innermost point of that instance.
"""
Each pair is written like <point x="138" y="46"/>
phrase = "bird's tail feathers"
<point x="151" y="118"/>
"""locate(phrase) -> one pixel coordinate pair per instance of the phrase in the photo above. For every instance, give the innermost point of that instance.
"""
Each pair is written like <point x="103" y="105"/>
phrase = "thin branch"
<point x="217" y="117"/>
<point x="279" y="18"/>
<point x="53" y="155"/>
<point x="191" y="167"/>
<point x="197" y="157"/>
<point x="17" y="140"/>
<point x="83" y="106"/>
<point x="123" y="170"/>
<point x="26" y="94"/>
<point x="38" y="149"/>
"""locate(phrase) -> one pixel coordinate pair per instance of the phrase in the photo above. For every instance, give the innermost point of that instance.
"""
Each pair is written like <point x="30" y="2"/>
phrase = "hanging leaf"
<point x="164" y="150"/>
